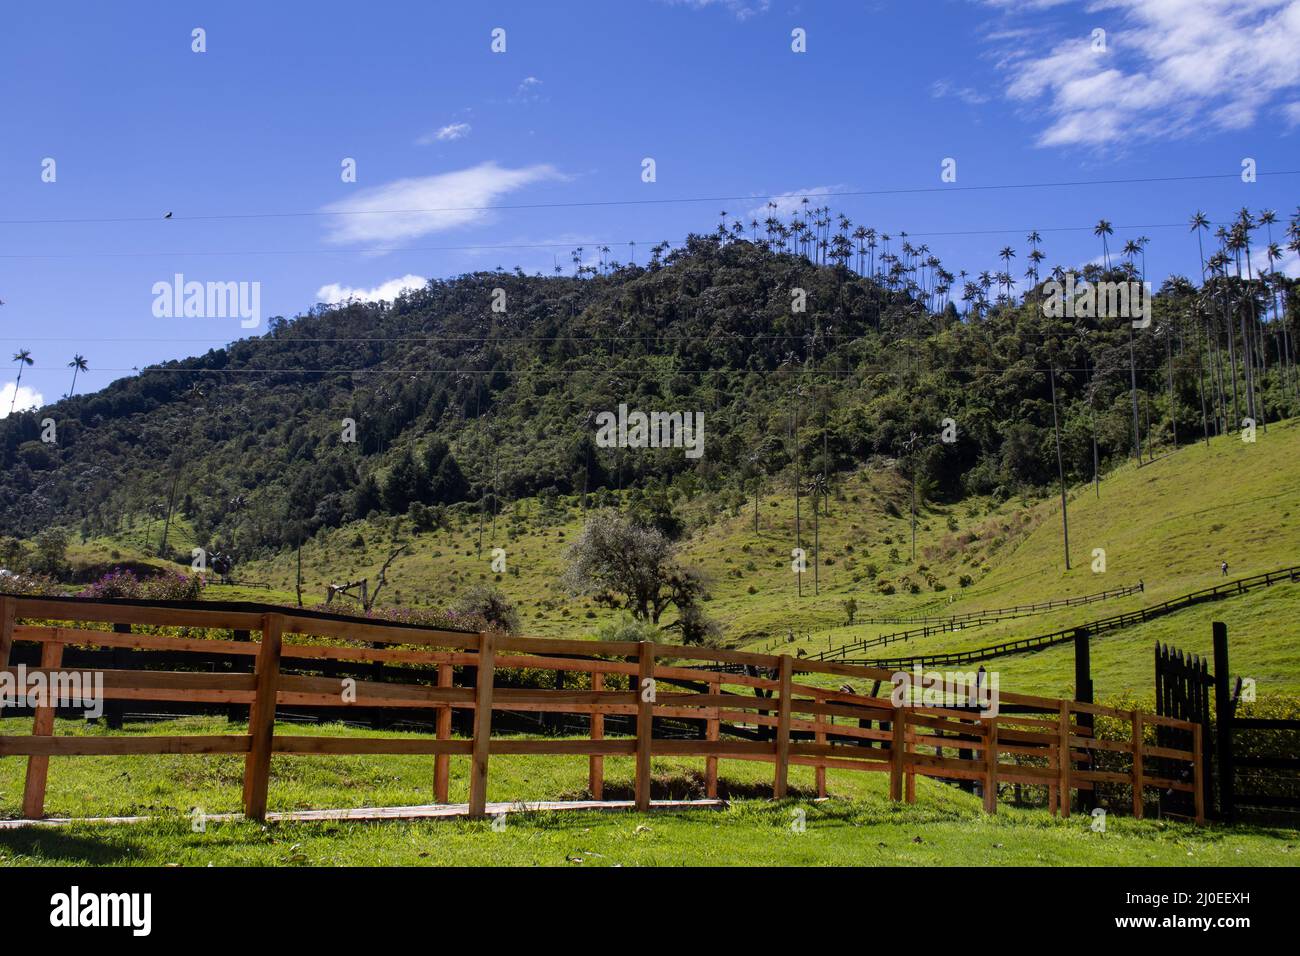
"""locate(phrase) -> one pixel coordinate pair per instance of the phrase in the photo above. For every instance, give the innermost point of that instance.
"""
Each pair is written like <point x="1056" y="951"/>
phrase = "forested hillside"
<point x="458" y="405"/>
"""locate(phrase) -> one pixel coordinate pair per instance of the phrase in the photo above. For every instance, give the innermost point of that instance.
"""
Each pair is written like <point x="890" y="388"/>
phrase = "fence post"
<point x="782" y="775"/>
<point x="8" y="613"/>
<point x="596" y="763"/>
<point x="1223" y="716"/>
<point x="1063" y="759"/>
<point x="712" y="729"/>
<point x="442" y="762"/>
<point x="115" y="710"/>
<point x="237" y="712"/>
<point x="1198" y="768"/>
<point x="483" y="685"/>
<point x="897" y="746"/>
<point x="38" y="767"/>
<point x="261" y="719"/>
<point x="1138" y="769"/>
<point x="821" y="767"/>
<point x="990" y="765"/>
<point x="1083" y="693"/>
<point x="644" y="721"/>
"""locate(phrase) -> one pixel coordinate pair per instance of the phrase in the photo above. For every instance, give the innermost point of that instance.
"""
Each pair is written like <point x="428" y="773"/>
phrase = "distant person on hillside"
<point x="1223" y="569"/>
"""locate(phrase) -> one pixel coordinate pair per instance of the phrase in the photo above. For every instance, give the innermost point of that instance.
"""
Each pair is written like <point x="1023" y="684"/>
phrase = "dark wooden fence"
<point x="1183" y="683"/>
<point x="1257" y="767"/>
<point x="1019" y="610"/>
<point x="1112" y="623"/>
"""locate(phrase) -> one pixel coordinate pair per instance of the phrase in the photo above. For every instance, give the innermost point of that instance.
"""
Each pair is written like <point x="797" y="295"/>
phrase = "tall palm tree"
<point x="817" y="488"/>
<point x="1006" y="254"/>
<point x="1104" y="229"/>
<point x="24" y="358"/>
<point x="78" y="364"/>
<point x="1131" y="249"/>
<point x="1198" y="224"/>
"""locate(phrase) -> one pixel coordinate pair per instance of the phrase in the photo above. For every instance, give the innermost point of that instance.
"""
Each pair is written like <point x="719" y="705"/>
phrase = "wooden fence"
<point x="1001" y="613"/>
<point x="1113" y="623"/>
<point x="1046" y="743"/>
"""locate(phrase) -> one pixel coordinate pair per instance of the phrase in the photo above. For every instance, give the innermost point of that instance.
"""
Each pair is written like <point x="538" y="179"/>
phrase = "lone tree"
<point x="625" y="565"/>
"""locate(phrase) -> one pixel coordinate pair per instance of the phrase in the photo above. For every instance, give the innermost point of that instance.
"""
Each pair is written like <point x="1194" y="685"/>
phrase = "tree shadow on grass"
<point x="690" y="785"/>
<point x="56" y="845"/>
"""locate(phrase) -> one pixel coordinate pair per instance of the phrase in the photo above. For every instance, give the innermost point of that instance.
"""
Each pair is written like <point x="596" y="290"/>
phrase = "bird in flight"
<point x="168" y="216"/>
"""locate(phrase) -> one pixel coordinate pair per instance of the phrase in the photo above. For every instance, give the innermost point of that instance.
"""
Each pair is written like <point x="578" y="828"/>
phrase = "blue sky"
<point x="243" y="143"/>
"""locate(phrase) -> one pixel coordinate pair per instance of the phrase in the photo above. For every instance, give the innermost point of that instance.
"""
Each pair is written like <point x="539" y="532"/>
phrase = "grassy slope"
<point x="857" y="826"/>
<point x="1168" y="523"/>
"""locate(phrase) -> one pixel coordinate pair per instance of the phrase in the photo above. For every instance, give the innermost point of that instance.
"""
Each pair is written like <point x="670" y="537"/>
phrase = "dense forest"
<point x="809" y="349"/>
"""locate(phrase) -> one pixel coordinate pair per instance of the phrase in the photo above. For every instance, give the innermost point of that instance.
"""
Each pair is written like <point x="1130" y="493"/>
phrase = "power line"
<point x="613" y="244"/>
<point x="596" y="203"/>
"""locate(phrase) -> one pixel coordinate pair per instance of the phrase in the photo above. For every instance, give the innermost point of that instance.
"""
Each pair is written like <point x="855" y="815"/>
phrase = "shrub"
<point x="120" y="583"/>
<point x="490" y="604"/>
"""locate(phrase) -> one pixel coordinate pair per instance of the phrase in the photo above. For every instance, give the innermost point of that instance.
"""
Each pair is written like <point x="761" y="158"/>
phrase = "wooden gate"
<point x="1183" y="687"/>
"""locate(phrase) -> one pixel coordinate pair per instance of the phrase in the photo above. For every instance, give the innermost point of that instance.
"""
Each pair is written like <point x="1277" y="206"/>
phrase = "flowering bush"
<point x="33" y="584"/>
<point x="433" y="617"/>
<point x="120" y="583"/>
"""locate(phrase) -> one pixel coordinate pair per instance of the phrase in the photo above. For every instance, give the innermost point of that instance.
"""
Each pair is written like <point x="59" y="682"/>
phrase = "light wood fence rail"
<point x="872" y="734"/>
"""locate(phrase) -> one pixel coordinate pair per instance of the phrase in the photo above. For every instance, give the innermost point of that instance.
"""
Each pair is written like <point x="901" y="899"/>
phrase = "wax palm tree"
<point x="78" y="364"/>
<point x="817" y="488"/>
<point x="24" y="358"/>
<point x="1104" y="229"/>
<point x="1036" y="257"/>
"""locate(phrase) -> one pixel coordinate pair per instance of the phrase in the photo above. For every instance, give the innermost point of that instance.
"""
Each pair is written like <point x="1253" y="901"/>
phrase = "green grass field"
<point x="858" y="825"/>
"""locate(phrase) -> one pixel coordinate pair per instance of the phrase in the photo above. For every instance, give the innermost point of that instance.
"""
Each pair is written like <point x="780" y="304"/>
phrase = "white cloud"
<point x="445" y="134"/>
<point x="790" y="203"/>
<point x="528" y="91"/>
<point x="971" y="97"/>
<point x="1171" y="68"/>
<point x="740" y="9"/>
<point x="27" y="398"/>
<point x="335" y="293"/>
<point x="410" y="208"/>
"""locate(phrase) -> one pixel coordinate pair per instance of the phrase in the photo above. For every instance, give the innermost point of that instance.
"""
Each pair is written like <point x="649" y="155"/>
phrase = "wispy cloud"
<point x="740" y="9"/>
<point x="410" y="208"/>
<point x="790" y="203"/>
<point x="445" y="134"/>
<point x="1170" y="68"/>
<point x="384" y="292"/>
<point x="27" y="398"/>
<point x="528" y="91"/>
<point x="940" y="89"/>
